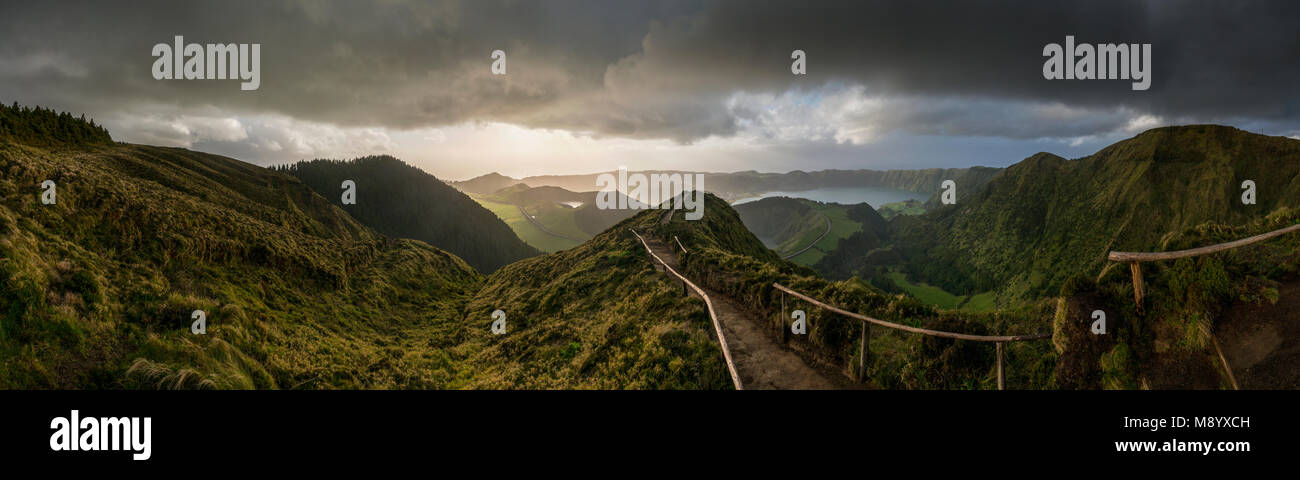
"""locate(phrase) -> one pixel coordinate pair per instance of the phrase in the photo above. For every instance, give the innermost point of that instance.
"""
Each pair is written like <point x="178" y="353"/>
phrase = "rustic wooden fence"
<point x="1134" y="259"/>
<point x="863" y="350"/>
<point x="717" y="327"/>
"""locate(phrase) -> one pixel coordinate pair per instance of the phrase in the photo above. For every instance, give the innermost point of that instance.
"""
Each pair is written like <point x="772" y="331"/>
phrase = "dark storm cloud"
<point x="663" y="70"/>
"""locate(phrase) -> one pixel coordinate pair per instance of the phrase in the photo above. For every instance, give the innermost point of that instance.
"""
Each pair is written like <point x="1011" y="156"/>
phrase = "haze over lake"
<point x="875" y="196"/>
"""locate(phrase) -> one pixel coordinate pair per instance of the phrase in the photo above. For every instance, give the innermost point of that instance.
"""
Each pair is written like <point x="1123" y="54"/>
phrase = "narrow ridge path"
<point x="543" y="227"/>
<point x="814" y="242"/>
<point x="761" y="363"/>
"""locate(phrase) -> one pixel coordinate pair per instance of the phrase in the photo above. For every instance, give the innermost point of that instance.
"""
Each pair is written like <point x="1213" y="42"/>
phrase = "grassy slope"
<point x="98" y="289"/>
<point x="908" y="207"/>
<point x="940" y="298"/>
<point x="558" y="219"/>
<point x="525" y="229"/>
<point x="790" y="224"/>
<point x="841" y="225"/>
<point x="595" y="316"/>
<point x="545" y="204"/>
<point x="928" y="294"/>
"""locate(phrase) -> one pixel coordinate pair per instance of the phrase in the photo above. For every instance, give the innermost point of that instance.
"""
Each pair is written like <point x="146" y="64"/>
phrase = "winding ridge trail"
<point x="761" y="362"/>
<point x="814" y="242"/>
<point x="543" y="227"/>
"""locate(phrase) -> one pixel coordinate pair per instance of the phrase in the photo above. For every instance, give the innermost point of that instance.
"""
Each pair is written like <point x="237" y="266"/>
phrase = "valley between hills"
<point x="397" y="290"/>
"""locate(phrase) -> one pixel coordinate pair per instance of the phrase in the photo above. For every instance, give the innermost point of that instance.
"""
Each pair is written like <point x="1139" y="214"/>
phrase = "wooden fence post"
<point x="785" y="329"/>
<point x="862" y="352"/>
<point x="999" y="365"/>
<point x="1136" y="268"/>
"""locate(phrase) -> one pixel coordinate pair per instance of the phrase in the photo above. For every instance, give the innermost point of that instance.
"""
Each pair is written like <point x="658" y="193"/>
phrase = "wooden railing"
<point x="717" y="327"/>
<point x="866" y="332"/>
<point x="1135" y="258"/>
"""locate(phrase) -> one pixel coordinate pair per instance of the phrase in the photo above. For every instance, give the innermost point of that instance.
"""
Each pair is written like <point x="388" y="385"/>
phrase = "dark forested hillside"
<point x="400" y="200"/>
<point x="45" y="127"/>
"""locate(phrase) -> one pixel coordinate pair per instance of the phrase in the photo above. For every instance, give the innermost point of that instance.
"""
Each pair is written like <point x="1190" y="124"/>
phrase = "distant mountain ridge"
<point x="485" y="184"/>
<point x="736" y="185"/>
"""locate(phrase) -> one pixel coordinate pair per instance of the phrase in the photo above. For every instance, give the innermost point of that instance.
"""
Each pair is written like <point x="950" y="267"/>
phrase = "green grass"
<point x="841" y="225"/>
<point x="927" y="294"/>
<point x="559" y="219"/>
<point x="525" y="229"/>
<point x="810" y="228"/>
<point x="982" y="302"/>
<point x="596" y="316"/>
<point x="907" y="207"/>
<point x="932" y="295"/>
<point x="97" y="290"/>
<point x="809" y="257"/>
<point x="813" y="227"/>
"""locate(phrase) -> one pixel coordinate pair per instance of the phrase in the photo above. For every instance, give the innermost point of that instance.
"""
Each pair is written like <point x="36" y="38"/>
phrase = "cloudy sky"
<point x="698" y="85"/>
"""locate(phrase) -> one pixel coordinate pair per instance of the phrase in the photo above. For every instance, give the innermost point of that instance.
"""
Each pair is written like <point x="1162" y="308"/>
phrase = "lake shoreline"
<point x="874" y="196"/>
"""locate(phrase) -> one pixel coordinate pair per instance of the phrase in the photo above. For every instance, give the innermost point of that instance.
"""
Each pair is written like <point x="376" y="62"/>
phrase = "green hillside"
<point x="906" y="207"/>
<point x="778" y="220"/>
<point x="1046" y="218"/>
<point x="400" y="200"/>
<point x="558" y="219"/>
<point x="595" y="316"/>
<point x="526" y="230"/>
<point x="791" y="225"/>
<point x="98" y="289"/>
